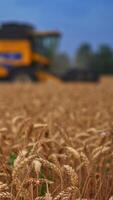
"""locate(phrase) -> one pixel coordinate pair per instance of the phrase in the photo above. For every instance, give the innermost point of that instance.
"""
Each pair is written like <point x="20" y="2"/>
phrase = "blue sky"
<point x="78" y="20"/>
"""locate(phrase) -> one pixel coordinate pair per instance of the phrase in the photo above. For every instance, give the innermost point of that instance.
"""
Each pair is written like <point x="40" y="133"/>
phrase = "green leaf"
<point x="12" y="158"/>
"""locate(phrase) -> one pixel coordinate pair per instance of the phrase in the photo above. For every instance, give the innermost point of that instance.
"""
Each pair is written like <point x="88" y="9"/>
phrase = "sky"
<point x="78" y="20"/>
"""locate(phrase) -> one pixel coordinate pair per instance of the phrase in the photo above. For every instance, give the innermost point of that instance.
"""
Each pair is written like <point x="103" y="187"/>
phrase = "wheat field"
<point x="56" y="141"/>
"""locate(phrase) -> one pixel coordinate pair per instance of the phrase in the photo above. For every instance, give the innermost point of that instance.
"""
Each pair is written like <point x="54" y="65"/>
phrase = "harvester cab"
<point x="46" y="43"/>
<point x="26" y="53"/>
<point x="45" y="47"/>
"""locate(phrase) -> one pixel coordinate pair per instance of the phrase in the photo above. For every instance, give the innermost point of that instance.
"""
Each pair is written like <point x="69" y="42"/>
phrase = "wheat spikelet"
<point x="20" y="165"/>
<point x="82" y="135"/>
<point x="4" y="175"/>
<point x="92" y="139"/>
<point x="40" y="198"/>
<point x="53" y="158"/>
<point x="39" y="125"/>
<point x="64" y="194"/>
<point x="74" y="152"/>
<point x="100" y="151"/>
<point x="20" y="157"/>
<point x="73" y="180"/>
<point x="37" y="165"/>
<point x="92" y="130"/>
<point x="16" y="118"/>
<point x="15" y="122"/>
<point x="3" y="186"/>
<point x="5" y="195"/>
<point x="50" y="165"/>
<point x="85" y="160"/>
<point x="72" y="175"/>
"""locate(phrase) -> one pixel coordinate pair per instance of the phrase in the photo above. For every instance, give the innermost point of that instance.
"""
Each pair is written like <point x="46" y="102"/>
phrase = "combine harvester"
<point x="26" y="55"/>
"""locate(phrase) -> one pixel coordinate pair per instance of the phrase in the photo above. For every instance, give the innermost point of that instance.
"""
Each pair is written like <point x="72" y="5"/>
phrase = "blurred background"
<point x="63" y="39"/>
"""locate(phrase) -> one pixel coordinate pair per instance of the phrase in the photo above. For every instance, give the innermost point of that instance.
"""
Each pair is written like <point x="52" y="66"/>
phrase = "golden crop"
<point x="56" y="141"/>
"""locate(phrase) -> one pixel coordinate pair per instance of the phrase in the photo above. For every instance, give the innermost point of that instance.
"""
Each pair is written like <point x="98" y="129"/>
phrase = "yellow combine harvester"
<point x="25" y="54"/>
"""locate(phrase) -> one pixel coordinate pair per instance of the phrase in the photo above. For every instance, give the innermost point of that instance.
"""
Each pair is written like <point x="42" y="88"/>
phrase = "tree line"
<point x="100" y="60"/>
